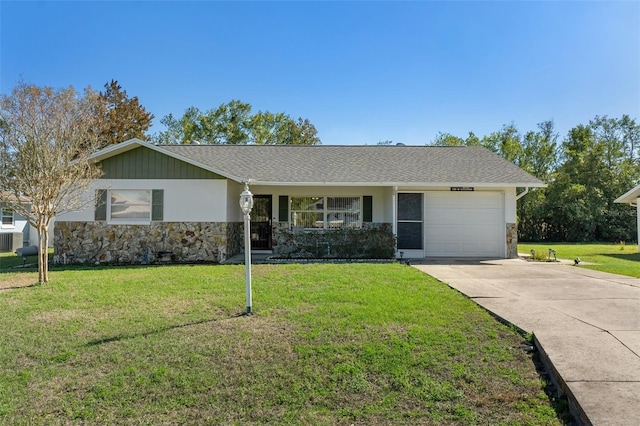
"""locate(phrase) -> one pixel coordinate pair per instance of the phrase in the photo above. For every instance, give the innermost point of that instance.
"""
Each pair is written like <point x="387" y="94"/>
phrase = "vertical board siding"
<point x="145" y="163"/>
<point x="136" y="166"/>
<point x="164" y="163"/>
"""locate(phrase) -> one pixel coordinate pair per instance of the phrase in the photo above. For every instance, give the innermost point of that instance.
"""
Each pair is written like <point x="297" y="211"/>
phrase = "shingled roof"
<point x="356" y="165"/>
<point x="342" y="165"/>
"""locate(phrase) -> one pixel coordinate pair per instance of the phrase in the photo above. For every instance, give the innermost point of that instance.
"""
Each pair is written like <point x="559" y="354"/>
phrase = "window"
<point x="7" y="218"/>
<point x="126" y="205"/>
<point x="410" y="221"/>
<point x="129" y="205"/>
<point x="326" y="212"/>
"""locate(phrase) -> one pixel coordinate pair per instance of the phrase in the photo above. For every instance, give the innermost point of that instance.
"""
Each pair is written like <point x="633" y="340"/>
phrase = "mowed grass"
<point x="11" y="260"/>
<point x="621" y="259"/>
<point x="328" y="344"/>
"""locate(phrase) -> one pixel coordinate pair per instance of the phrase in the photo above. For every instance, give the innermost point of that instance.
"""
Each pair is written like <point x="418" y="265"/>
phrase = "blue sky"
<point x="362" y="72"/>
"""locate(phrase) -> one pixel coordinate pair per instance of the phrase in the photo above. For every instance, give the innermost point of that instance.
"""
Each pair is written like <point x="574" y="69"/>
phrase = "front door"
<point x="261" y="223"/>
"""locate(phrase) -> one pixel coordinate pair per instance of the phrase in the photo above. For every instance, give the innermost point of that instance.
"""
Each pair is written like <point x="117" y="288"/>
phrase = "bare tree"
<point x="46" y="138"/>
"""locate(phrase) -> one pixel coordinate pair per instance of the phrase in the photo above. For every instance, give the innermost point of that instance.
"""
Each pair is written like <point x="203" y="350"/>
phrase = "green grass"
<point x="328" y="344"/>
<point x="621" y="259"/>
<point x="11" y="260"/>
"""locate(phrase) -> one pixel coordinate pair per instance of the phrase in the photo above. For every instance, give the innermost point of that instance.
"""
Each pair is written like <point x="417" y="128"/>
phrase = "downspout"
<point x="522" y="194"/>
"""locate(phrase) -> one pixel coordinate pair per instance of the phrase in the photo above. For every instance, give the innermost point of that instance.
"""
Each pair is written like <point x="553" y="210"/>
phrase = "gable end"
<point x="145" y="163"/>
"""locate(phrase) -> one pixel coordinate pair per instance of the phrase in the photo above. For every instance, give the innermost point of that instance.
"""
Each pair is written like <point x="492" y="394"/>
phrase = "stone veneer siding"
<point x="235" y="238"/>
<point x="81" y="242"/>
<point x="512" y="241"/>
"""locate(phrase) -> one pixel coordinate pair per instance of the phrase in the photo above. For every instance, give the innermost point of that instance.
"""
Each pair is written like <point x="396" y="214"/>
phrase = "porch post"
<point x="394" y="212"/>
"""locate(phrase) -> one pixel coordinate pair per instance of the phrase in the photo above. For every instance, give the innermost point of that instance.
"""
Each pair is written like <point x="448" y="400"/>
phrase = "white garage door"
<point x="464" y="224"/>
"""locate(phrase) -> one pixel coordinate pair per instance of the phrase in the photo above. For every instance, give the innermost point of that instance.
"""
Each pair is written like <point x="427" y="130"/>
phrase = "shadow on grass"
<point x="20" y="286"/>
<point x="98" y="342"/>
<point x="625" y="256"/>
<point x="85" y="267"/>
<point x="15" y="263"/>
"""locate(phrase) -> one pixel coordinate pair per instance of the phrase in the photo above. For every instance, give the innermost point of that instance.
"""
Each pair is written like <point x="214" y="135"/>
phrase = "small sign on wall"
<point x="462" y="188"/>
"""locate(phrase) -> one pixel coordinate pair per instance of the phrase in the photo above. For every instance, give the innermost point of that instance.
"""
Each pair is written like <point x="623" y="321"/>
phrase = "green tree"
<point x="507" y="143"/>
<point x="46" y="138"/>
<point x="631" y="136"/>
<point x="233" y="123"/>
<point x="122" y="117"/>
<point x="540" y="158"/>
<point x="447" y="139"/>
<point x="540" y="151"/>
<point x="621" y="172"/>
<point x="597" y="164"/>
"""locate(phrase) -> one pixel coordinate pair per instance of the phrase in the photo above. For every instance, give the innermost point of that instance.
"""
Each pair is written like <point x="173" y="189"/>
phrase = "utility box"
<point x="10" y="241"/>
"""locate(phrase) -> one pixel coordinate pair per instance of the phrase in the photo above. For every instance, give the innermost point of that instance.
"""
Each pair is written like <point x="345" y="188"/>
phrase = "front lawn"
<point x="10" y="260"/>
<point x="328" y="344"/>
<point x="621" y="259"/>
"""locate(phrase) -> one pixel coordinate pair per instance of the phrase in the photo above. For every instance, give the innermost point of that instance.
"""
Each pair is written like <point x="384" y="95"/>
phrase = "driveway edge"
<point x="563" y="389"/>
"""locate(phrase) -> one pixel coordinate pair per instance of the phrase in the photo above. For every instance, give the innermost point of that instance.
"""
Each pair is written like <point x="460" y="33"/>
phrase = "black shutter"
<point x="283" y="208"/>
<point x="367" y="208"/>
<point x="157" y="204"/>
<point x="100" y="212"/>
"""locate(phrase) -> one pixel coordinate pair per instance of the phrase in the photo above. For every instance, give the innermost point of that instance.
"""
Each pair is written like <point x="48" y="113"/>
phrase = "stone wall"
<point x="372" y="241"/>
<point x="512" y="241"/>
<point x="100" y="242"/>
<point x="235" y="238"/>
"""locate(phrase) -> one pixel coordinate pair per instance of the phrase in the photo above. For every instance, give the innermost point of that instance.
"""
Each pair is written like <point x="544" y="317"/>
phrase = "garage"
<point x="464" y="224"/>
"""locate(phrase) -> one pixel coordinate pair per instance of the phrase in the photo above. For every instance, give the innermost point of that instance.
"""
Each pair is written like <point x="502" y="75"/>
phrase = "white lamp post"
<point x="246" y="204"/>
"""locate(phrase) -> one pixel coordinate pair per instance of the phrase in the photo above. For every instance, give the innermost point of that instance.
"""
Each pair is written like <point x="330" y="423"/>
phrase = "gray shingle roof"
<point x="366" y="165"/>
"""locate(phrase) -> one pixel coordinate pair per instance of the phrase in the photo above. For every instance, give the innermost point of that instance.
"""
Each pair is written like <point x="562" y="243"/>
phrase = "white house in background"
<point x="15" y="230"/>
<point x="181" y="201"/>
<point x="632" y="198"/>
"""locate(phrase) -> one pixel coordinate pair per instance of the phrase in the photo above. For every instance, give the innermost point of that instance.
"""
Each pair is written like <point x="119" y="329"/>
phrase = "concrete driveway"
<point x="586" y="323"/>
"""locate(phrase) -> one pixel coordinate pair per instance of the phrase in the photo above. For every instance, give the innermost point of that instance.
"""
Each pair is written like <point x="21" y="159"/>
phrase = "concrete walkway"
<point x="586" y="324"/>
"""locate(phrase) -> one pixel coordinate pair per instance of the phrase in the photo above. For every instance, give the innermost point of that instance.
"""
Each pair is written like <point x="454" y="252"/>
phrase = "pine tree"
<point x="123" y="118"/>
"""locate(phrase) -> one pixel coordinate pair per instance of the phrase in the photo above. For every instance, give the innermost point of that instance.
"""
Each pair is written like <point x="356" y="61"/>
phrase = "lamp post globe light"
<point x="246" y="204"/>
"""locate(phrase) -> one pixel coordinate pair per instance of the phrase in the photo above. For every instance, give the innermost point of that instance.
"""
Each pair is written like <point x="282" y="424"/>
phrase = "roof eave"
<point x="119" y="148"/>
<point x="405" y="184"/>
<point x="630" y="197"/>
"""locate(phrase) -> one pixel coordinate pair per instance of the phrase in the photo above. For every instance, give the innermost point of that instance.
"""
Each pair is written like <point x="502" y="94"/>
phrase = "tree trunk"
<point x="43" y="253"/>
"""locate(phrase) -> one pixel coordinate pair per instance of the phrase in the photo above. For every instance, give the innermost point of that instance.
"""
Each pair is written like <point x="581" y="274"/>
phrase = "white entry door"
<point x="464" y="224"/>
